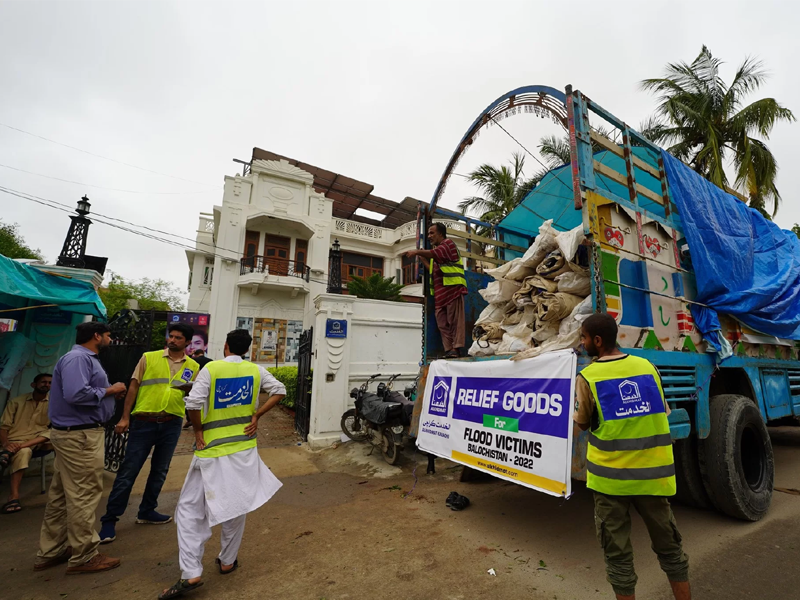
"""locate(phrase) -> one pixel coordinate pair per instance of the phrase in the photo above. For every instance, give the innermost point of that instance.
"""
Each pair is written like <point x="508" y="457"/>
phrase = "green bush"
<point x="288" y="377"/>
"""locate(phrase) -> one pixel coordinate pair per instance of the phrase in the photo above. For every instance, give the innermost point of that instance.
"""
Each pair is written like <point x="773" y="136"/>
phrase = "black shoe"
<point x="460" y="503"/>
<point x="449" y="502"/>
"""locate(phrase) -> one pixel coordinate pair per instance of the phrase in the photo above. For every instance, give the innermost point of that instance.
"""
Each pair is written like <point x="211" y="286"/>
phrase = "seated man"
<point x="23" y="430"/>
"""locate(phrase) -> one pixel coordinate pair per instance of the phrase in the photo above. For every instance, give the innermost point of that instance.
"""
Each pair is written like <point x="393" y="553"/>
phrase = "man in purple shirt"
<point x="81" y="400"/>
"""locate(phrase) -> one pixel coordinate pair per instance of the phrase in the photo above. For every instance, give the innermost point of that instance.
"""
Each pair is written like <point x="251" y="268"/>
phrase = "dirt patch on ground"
<point x="337" y="531"/>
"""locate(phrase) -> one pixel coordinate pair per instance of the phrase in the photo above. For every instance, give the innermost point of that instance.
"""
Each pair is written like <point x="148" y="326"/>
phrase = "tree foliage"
<point x="151" y="294"/>
<point x="796" y="230"/>
<point x="707" y="124"/>
<point x="502" y="189"/>
<point x="375" y="287"/>
<point x="12" y="244"/>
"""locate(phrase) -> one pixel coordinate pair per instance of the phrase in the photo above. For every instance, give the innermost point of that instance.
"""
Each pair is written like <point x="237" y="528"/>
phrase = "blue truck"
<point x="725" y="385"/>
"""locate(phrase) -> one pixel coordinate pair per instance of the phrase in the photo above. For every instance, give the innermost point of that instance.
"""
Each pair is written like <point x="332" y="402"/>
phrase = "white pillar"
<point x="331" y="364"/>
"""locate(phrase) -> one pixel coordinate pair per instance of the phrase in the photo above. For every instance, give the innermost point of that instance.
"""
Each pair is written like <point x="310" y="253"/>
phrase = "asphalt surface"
<point x="347" y="526"/>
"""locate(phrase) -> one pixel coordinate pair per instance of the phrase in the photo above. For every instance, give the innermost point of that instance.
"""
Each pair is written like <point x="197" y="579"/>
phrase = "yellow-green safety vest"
<point x="157" y="391"/>
<point x="630" y="452"/>
<point x="452" y="273"/>
<point x="233" y="401"/>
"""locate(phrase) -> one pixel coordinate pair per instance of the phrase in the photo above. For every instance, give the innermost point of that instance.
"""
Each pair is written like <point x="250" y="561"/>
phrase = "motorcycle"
<point x="378" y="418"/>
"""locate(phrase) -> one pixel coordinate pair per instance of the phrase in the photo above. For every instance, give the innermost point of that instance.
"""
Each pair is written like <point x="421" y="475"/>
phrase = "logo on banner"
<point x="629" y="392"/>
<point x="440" y="397"/>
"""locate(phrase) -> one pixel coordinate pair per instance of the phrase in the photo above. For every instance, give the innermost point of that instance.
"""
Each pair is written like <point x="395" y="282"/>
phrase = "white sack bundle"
<point x="499" y="291"/>
<point x="574" y="282"/>
<point x="557" y="306"/>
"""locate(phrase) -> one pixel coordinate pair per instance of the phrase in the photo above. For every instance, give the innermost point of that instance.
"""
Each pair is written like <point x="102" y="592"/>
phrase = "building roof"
<point x="349" y="194"/>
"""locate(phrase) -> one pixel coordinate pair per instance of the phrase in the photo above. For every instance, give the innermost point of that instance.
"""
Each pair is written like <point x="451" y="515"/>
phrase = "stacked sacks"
<point x="536" y="300"/>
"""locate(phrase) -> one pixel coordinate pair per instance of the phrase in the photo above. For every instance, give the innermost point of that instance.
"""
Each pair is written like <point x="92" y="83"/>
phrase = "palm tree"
<point x="503" y="188"/>
<point x="375" y="287"/>
<point x="707" y="124"/>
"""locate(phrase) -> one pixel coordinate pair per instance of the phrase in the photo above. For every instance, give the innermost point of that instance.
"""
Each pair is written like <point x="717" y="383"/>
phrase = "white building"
<point x="261" y="257"/>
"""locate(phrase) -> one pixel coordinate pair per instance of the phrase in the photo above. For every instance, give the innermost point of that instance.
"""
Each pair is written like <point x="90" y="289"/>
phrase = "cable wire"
<point x="58" y="206"/>
<point x="99" y="187"/>
<point x="114" y="160"/>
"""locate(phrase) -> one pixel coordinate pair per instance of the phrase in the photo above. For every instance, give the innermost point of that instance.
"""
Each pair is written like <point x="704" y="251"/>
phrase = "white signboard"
<point x="510" y="419"/>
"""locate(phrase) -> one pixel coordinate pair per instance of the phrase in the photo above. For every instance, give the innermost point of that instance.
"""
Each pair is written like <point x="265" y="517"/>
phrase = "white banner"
<point x="510" y="419"/>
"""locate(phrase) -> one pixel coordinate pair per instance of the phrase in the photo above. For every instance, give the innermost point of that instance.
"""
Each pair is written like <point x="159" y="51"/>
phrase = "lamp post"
<point x="335" y="268"/>
<point x="73" y="253"/>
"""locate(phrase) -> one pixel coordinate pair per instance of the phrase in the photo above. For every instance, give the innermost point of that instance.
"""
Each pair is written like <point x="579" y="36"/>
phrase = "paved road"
<point x="343" y="528"/>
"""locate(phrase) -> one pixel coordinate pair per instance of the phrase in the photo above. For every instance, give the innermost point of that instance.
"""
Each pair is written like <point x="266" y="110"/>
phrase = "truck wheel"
<point x="736" y="459"/>
<point x="691" y="491"/>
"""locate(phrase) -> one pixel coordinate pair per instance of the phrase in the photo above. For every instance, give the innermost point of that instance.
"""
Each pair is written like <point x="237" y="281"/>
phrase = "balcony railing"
<point x="274" y="266"/>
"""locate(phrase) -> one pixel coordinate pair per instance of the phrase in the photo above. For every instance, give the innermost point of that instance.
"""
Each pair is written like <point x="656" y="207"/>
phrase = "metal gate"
<point x="131" y="332"/>
<point x="302" y="404"/>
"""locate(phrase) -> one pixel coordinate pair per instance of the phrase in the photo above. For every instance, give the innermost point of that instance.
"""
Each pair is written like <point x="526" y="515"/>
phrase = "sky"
<point x="157" y="98"/>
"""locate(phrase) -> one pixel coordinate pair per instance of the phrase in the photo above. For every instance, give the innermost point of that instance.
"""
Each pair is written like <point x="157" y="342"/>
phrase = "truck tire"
<point x="736" y="459"/>
<point x="691" y="490"/>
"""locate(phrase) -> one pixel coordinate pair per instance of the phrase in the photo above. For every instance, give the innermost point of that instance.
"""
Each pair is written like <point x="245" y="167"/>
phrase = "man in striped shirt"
<point x="448" y="287"/>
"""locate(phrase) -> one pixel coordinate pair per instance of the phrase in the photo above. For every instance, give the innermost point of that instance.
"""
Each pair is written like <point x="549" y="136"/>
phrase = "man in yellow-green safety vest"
<point x="152" y="416"/>
<point x="227" y="478"/>
<point x="447" y="285"/>
<point x="629" y="459"/>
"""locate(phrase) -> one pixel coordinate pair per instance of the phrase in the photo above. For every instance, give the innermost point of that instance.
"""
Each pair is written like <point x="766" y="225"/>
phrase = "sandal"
<point x="179" y="589"/>
<point x="459" y="503"/>
<point x="10" y="507"/>
<point x="229" y="571"/>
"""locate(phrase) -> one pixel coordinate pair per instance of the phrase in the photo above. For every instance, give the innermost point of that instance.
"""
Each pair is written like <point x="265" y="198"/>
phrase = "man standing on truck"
<point x="629" y="458"/>
<point x="447" y="285"/>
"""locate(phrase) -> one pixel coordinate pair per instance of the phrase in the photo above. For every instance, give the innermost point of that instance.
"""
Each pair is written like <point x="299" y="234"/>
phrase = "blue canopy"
<point x="745" y="265"/>
<point x="23" y="281"/>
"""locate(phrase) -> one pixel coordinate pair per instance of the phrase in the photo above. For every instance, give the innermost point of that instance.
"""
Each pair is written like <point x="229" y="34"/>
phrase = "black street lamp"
<point x="73" y="253"/>
<point x="335" y="268"/>
<point x="83" y="206"/>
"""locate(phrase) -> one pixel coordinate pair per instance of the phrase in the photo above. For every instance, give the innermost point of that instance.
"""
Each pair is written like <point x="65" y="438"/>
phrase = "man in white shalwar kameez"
<point x="226" y="478"/>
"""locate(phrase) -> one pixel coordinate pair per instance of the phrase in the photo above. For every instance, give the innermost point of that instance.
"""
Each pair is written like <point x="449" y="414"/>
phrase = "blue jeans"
<point x="144" y="436"/>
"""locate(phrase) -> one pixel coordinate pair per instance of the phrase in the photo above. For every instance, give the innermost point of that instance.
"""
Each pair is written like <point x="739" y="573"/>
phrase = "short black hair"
<point x="84" y="332"/>
<point x="239" y="341"/>
<point x="200" y="351"/>
<point x="441" y="228"/>
<point x="187" y="331"/>
<point x="604" y="326"/>
<point x="202" y="334"/>
<point x="39" y="377"/>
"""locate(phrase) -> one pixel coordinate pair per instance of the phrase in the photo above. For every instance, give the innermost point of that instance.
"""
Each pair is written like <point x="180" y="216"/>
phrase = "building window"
<point x="251" y="239"/>
<point x="408" y="270"/>
<point x="300" y="255"/>
<point x="189" y="287"/>
<point x="208" y="272"/>
<point x="359" y="265"/>
<point x="276" y="254"/>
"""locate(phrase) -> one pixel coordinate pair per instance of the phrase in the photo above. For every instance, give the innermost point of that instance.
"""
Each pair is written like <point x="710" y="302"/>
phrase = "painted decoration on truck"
<point x="510" y="419"/>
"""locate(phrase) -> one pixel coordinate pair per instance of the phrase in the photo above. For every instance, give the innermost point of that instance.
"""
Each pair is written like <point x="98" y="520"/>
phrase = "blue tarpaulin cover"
<point x="745" y="265"/>
<point x="20" y="280"/>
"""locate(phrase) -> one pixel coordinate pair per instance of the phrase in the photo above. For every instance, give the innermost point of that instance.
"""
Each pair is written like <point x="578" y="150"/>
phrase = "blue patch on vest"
<point x="187" y="374"/>
<point x="233" y="391"/>
<point x="629" y="397"/>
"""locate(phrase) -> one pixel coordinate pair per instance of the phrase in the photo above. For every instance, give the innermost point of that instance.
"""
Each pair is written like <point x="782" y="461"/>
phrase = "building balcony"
<point x="260" y="272"/>
<point x="351" y="229"/>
